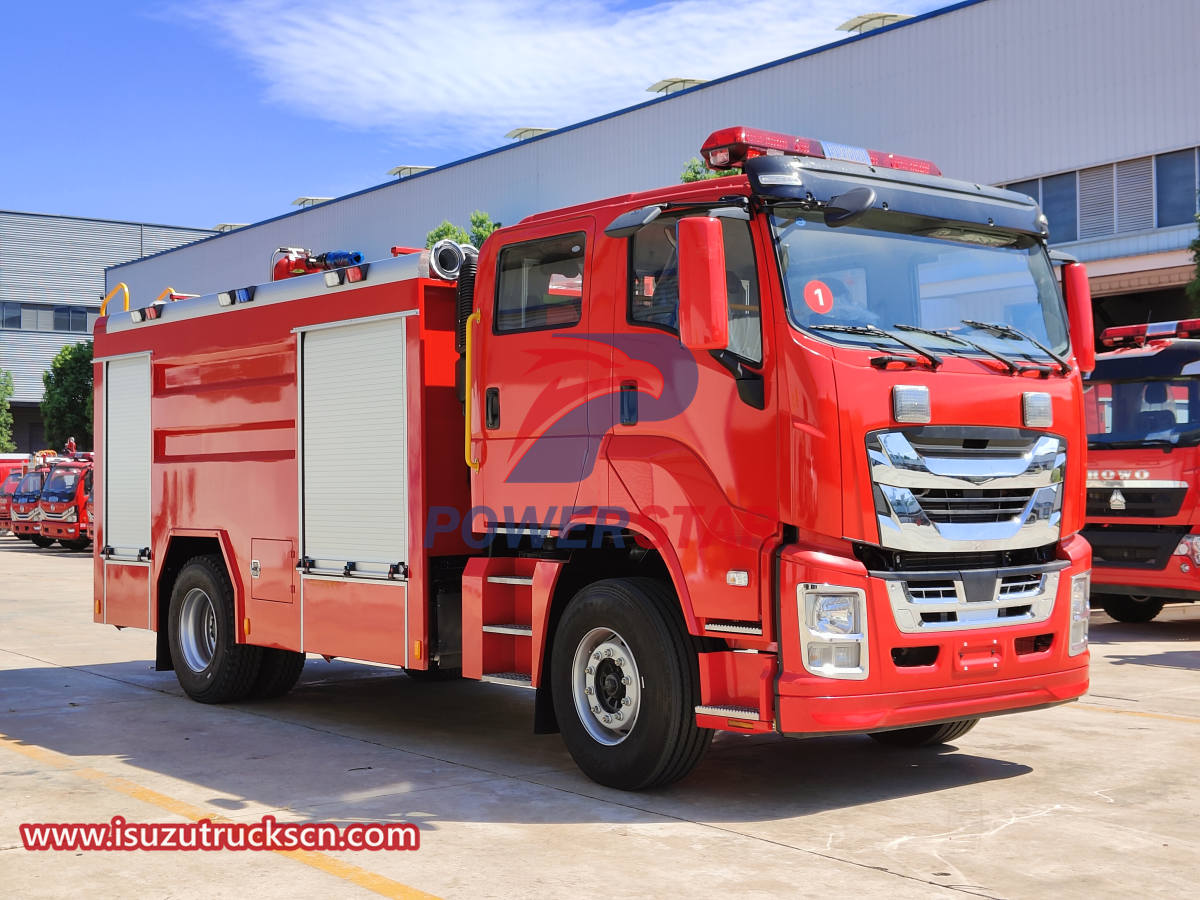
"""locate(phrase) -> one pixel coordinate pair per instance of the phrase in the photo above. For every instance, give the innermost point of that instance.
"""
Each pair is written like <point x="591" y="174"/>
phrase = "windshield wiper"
<point x="875" y="331"/>
<point x="1013" y="368"/>
<point x="1131" y="444"/>
<point x="1001" y="330"/>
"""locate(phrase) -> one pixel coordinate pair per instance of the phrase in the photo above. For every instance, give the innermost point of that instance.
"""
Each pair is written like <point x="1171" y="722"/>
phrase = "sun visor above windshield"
<point x="784" y="178"/>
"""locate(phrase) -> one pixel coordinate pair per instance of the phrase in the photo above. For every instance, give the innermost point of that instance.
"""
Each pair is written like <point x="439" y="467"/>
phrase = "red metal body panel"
<point x="124" y="596"/>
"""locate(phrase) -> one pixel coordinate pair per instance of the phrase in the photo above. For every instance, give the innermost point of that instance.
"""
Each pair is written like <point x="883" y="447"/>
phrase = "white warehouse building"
<point x="1089" y="105"/>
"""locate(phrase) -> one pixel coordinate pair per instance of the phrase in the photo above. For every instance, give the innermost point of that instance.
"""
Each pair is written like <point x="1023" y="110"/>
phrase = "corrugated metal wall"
<point x="995" y="91"/>
<point x="60" y="260"/>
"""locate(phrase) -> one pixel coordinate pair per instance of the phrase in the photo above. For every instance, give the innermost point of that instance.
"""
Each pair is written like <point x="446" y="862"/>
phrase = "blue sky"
<point x="194" y="112"/>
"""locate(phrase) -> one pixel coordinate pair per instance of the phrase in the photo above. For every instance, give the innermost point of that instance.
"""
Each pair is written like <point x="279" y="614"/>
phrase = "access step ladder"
<point x="506" y="610"/>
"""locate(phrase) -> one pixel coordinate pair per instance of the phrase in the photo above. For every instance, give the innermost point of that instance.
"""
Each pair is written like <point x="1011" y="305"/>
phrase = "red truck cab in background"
<point x="24" y="509"/>
<point x="8" y="487"/>
<point x="1142" y="407"/>
<point x="795" y="450"/>
<point x="63" y="503"/>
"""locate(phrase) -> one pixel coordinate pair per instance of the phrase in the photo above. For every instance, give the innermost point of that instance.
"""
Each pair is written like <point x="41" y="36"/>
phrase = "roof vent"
<point x="524" y="134"/>
<point x="405" y="171"/>
<point x="673" y="85"/>
<point x="870" y="21"/>
<point x="310" y="201"/>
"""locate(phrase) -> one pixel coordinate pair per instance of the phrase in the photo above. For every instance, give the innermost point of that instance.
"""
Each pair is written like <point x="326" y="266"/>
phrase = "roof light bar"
<point x="728" y="148"/>
<point x="1139" y="335"/>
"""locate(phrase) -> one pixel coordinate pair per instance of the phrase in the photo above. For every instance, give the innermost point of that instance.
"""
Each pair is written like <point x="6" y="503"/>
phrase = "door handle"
<point x="491" y="408"/>
<point x="629" y="403"/>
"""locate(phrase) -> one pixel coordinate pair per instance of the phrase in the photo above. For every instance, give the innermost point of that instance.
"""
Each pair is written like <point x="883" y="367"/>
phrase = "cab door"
<point x="529" y="417"/>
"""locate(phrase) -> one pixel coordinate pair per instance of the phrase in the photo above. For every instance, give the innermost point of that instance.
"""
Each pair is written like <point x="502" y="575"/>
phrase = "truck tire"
<point x="209" y="663"/>
<point x="925" y="735"/>
<point x="277" y="673"/>
<point x="40" y="541"/>
<point x="1130" y="607"/>
<point x="626" y="685"/>
<point x="81" y="544"/>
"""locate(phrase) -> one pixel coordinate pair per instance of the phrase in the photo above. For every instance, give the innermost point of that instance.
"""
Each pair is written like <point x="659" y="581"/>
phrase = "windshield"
<point x="10" y="483"/>
<point x="31" y="484"/>
<point x="1164" y="411"/>
<point x="62" y="481"/>
<point x="860" y="279"/>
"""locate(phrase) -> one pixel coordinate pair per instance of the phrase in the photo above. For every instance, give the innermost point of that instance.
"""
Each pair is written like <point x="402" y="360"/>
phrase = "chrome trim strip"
<point x="979" y="600"/>
<point x="1127" y="483"/>
<point x="729" y="712"/>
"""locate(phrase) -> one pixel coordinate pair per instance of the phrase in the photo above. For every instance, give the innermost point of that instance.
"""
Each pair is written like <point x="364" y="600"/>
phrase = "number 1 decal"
<point x="818" y="296"/>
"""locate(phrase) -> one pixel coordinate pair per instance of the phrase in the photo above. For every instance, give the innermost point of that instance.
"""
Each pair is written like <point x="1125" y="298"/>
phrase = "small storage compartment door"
<point x="127" y="491"/>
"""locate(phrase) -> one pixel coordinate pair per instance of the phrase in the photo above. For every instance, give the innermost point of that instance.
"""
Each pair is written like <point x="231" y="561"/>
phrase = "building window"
<point x="1027" y="187"/>
<point x="1060" y="205"/>
<point x="37" y="317"/>
<point x="1175" y="187"/>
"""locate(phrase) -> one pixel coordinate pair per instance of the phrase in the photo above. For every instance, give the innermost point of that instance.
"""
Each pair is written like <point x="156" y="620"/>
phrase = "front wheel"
<point x="1130" y="607"/>
<point x="925" y="735"/>
<point x="209" y="663"/>
<point x="41" y="541"/>
<point x="625" y="685"/>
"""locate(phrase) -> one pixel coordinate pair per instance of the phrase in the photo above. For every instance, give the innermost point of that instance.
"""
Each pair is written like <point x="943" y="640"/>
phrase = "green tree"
<point x="1193" y="287"/>
<point x="6" y="419"/>
<point x="447" y="231"/>
<point x="695" y="170"/>
<point x="481" y="226"/>
<point x="67" y="407"/>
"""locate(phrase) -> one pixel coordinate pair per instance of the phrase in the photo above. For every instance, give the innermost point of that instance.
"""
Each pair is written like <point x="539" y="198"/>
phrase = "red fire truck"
<point x="1142" y="407"/>
<point x="7" y="488"/>
<point x="63" y="503"/>
<point x="796" y="450"/>
<point x="24" y="508"/>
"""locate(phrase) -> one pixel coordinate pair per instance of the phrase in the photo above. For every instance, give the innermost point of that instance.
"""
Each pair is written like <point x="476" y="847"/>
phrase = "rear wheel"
<point x="209" y="663"/>
<point x="625" y="685"/>
<point x="277" y="673"/>
<point x="41" y="541"/>
<point x="925" y="735"/>
<point x="1130" y="607"/>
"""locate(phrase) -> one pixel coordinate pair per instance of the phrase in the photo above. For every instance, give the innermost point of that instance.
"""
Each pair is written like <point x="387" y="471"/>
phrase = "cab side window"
<point x="540" y="284"/>
<point x="654" y="283"/>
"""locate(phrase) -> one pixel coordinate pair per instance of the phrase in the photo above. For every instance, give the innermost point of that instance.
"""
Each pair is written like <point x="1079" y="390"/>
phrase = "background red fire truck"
<point x="63" y="503"/>
<point x="1142" y="405"/>
<point x="795" y="450"/>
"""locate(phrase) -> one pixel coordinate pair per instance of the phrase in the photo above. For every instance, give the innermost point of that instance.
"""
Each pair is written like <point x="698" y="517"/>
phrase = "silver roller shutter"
<point x="127" y="455"/>
<point x="355" y="451"/>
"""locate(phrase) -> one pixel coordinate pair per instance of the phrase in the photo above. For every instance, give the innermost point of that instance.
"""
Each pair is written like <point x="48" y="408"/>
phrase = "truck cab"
<point x="7" y="487"/>
<point x="1142" y="408"/>
<point x="24" y="507"/>
<point x="63" y="504"/>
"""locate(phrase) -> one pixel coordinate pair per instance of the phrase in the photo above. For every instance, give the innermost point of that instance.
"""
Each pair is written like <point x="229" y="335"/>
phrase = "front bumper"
<point x="65" y="530"/>
<point x="937" y="671"/>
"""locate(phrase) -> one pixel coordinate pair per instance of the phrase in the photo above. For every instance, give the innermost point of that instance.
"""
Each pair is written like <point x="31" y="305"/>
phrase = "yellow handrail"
<point x="121" y="286"/>
<point x="471" y="461"/>
<point x="174" y="295"/>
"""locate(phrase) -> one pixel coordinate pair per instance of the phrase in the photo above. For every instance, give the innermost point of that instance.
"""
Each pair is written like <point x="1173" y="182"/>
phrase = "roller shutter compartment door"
<point x="355" y="449"/>
<point x="127" y="455"/>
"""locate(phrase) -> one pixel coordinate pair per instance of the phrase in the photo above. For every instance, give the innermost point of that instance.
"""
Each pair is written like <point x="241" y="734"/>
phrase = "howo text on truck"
<point x="796" y="450"/>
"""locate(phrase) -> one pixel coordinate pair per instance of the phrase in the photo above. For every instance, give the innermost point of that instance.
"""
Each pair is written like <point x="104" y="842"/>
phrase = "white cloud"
<point x="468" y="72"/>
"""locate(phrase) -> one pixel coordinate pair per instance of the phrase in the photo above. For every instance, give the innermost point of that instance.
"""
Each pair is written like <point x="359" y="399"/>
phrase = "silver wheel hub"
<point x="606" y="686"/>
<point x="197" y="630"/>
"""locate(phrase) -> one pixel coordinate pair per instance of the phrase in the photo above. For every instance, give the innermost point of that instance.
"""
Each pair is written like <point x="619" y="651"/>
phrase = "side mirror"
<point x="1079" y="312"/>
<point x="703" y="297"/>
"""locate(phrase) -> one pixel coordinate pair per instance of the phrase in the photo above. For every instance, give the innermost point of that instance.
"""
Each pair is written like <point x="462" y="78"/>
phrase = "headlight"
<point x="1081" y="587"/>
<point x="833" y="639"/>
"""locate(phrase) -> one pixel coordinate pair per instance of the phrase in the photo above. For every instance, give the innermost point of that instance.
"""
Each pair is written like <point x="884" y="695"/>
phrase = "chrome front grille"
<point x="984" y="598"/>
<point x="940" y="489"/>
